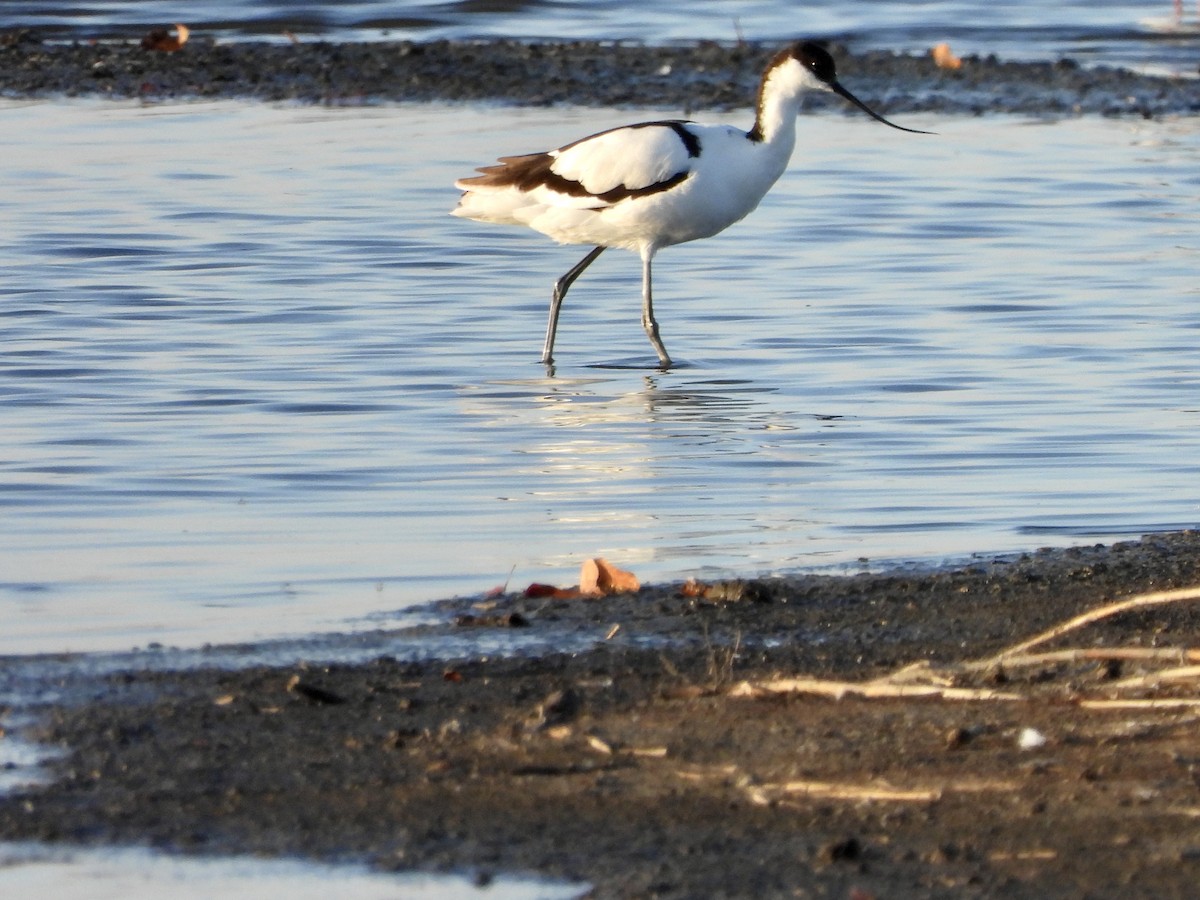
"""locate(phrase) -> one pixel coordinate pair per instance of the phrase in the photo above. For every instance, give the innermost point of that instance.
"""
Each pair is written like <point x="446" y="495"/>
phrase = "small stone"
<point x="559" y="707"/>
<point x="313" y="693"/>
<point x="957" y="738"/>
<point x="1030" y="739"/>
<point x="846" y="850"/>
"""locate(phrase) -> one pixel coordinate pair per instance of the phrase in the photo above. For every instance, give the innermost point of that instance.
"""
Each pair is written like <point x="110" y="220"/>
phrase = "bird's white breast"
<point x="728" y="180"/>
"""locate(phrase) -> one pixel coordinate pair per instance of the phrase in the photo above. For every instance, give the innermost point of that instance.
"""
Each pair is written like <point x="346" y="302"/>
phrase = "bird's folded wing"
<point x="598" y="171"/>
<point x="635" y="159"/>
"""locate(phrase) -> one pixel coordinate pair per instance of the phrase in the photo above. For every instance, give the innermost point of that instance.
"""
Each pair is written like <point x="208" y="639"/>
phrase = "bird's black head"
<point x="816" y="59"/>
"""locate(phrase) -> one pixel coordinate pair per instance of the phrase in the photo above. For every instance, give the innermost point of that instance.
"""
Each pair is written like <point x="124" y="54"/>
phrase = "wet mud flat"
<point x="681" y="77"/>
<point x="768" y="738"/>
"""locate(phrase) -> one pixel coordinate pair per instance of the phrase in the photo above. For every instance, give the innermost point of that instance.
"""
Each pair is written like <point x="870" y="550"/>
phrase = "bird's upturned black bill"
<point x="842" y="92"/>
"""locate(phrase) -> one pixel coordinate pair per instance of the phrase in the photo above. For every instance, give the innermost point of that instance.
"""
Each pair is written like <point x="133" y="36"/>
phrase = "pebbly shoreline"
<point x="657" y="765"/>
<point x="698" y="76"/>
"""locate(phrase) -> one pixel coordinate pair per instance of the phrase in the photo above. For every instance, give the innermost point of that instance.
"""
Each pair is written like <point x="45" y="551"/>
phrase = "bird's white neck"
<point x="776" y="120"/>
<point x="779" y="99"/>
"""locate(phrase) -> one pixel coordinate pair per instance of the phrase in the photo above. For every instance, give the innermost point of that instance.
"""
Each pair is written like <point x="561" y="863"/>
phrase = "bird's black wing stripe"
<point x="527" y="173"/>
<point x="691" y="143"/>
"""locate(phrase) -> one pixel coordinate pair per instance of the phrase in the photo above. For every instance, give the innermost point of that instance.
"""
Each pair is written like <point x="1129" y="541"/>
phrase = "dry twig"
<point x="920" y="679"/>
<point x="1141" y="601"/>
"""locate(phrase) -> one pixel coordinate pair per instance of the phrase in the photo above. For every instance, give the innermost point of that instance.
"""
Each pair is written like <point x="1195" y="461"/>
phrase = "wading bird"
<point x="654" y="184"/>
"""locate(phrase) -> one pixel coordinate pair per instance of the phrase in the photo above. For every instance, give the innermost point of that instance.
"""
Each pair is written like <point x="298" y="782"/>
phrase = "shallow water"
<point x="255" y="381"/>
<point x="120" y="874"/>
<point x="1139" y="35"/>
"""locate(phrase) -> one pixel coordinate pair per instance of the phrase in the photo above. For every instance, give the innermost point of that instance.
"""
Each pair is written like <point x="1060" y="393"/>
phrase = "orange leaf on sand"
<point x="162" y="40"/>
<point x="599" y="578"/>
<point x="943" y="58"/>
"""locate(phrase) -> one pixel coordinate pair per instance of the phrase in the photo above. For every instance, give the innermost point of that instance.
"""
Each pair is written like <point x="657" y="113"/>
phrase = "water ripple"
<point x="292" y="392"/>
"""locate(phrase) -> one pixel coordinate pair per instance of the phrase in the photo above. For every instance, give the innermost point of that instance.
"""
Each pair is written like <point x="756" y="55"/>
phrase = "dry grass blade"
<point x="1152" y="679"/>
<point x="1022" y="855"/>
<point x="1149" y="703"/>
<point x="872" y="690"/>
<point x="920" y="672"/>
<point x="1085" y="654"/>
<point x="873" y="791"/>
<point x="827" y="790"/>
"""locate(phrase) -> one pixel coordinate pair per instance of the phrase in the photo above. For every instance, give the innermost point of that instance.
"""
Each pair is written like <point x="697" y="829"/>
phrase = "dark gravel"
<point x="634" y="767"/>
<point x="588" y="73"/>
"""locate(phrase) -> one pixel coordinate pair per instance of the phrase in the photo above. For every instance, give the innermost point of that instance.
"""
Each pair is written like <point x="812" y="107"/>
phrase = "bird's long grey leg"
<point x="560" y="291"/>
<point x="648" y="321"/>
